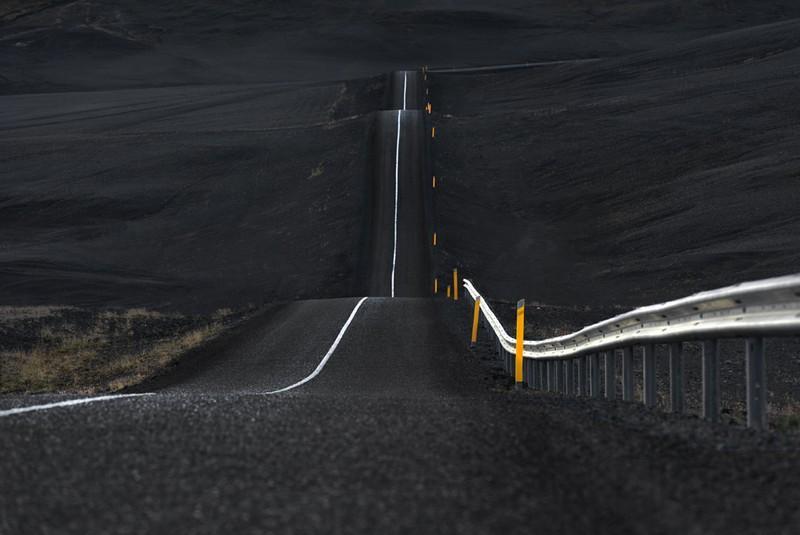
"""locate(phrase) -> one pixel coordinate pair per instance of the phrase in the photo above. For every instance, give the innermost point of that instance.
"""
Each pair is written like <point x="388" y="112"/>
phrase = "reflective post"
<point x="475" y="317"/>
<point x="520" y="336"/>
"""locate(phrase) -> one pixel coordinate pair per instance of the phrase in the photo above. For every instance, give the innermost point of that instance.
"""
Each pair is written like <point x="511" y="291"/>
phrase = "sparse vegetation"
<point x="47" y="349"/>
<point x="785" y="416"/>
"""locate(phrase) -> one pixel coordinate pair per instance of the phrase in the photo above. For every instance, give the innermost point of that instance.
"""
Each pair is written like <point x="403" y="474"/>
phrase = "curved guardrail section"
<point x="769" y="307"/>
<point x="751" y="310"/>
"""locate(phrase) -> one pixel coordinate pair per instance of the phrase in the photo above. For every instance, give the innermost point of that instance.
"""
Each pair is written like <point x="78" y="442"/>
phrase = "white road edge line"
<point x="396" y="189"/>
<point x="327" y="356"/>
<point x="405" y="86"/>
<point x="68" y="403"/>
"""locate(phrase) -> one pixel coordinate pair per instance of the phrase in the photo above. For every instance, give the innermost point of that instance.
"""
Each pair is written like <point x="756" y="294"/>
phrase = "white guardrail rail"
<point x="752" y="310"/>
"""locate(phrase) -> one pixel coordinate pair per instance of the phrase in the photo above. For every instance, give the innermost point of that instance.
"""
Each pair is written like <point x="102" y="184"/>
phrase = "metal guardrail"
<point x="751" y="310"/>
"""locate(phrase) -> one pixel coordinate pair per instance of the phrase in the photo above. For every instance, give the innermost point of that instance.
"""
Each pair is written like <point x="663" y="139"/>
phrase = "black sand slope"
<point x="241" y="149"/>
<point x="55" y="45"/>
<point x="629" y="180"/>
<point x="196" y="199"/>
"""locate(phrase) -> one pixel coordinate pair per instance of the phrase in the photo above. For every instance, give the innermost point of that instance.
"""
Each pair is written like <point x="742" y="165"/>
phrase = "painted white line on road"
<point x="68" y="403"/>
<point x="405" y="86"/>
<point x="396" y="190"/>
<point x="327" y="355"/>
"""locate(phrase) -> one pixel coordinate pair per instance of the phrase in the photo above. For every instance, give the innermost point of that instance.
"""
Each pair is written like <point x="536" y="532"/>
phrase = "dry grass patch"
<point x="73" y="350"/>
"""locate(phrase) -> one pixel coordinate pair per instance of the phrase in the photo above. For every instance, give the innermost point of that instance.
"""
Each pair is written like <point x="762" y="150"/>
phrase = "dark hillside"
<point x="195" y="199"/>
<point x="197" y="154"/>
<point x="629" y="180"/>
<point x="88" y="44"/>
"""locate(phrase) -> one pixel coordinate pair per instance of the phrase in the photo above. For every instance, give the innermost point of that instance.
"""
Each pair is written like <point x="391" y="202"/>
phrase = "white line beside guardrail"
<point x="764" y="307"/>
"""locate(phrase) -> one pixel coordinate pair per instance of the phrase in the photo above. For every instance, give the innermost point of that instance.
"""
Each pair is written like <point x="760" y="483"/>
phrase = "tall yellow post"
<point x="433" y="132"/>
<point x="520" y="340"/>
<point x="435" y="285"/>
<point x="434" y="239"/>
<point x="455" y="284"/>
<point x="448" y="291"/>
<point x="475" y="317"/>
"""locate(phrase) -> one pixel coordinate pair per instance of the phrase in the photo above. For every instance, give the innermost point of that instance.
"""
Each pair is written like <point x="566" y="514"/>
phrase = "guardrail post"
<point x="520" y="337"/>
<point x="711" y="397"/>
<point x="542" y="375"/>
<point x="676" y="377"/>
<point x="559" y="368"/>
<point x="475" y="317"/>
<point x="527" y="372"/>
<point x="554" y="369"/>
<point x="611" y="374"/>
<point x="627" y="374"/>
<point x="756" y="384"/>
<point x="582" y="376"/>
<point x="548" y="370"/>
<point x="649" y="375"/>
<point x="569" y="377"/>
<point x="594" y="375"/>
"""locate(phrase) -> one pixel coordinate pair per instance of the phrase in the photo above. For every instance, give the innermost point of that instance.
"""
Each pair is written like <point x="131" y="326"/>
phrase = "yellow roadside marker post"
<point x="434" y="239"/>
<point x="520" y="342"/>
<point x="475" y="317"/>
<point x="448" y="291"/>
<point x="428" y="107"/>
<point x="455" y="284"/>
<point x="434" y="181"/>
<point x="435" y="285"/>
<point x="433" y="132"/>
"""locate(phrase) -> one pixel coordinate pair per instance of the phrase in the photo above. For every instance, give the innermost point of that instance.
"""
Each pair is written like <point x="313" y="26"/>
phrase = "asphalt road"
<point x="400" y="242"/>
<point x="404" y="430"/>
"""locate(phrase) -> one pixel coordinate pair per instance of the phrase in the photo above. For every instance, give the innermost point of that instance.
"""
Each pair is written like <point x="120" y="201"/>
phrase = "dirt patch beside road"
<point x="68" y="349"/>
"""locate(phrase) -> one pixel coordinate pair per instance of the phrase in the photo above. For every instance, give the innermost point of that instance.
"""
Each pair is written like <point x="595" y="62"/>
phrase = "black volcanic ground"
<point x="198" y="155"/>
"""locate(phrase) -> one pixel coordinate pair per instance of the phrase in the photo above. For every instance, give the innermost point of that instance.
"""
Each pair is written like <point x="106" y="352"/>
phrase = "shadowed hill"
<point x="89" y="44"/>
<point x="629" y="180"/>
